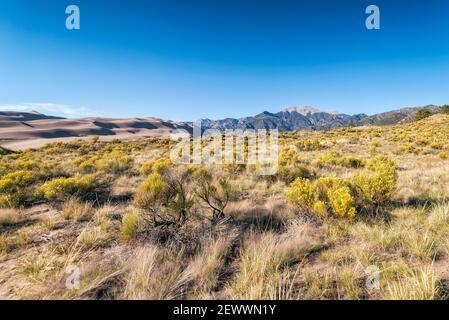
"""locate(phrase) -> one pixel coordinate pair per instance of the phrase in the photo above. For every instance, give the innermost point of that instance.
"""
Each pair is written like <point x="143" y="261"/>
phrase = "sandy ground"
<point x="20" y="131"/>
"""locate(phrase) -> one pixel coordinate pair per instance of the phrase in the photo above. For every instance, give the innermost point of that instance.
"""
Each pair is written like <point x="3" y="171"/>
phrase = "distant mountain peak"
<point x="306" y="110"/>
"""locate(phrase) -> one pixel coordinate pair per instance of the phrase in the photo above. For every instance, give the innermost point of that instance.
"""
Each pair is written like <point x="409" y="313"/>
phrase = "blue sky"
<point x="190" y="59"/>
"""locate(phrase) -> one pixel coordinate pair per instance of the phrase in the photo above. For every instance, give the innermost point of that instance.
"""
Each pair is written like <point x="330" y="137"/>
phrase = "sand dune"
<point x="21" y="130"/>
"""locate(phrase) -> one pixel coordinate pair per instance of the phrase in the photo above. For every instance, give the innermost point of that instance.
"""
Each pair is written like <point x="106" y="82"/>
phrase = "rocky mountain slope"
<point x="309" y="118"/>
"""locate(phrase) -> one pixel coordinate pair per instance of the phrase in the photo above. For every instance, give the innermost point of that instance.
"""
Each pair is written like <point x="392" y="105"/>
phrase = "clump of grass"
<point x="21" y="239"/>
<point x="130" y="224"/>
<point x="9" y="216"/>
<point x="4" y="247"/>
<point x="102" y="217"/>
<point x="319" y="284"/>
<point x="153" y="274"/>
<point x="421" y="245"/>
<point x="349" y="282"/>
<point x="91" y="237"/>
<point x="439" y="217"/>
<point x="418" y="284"/>
<point x="76" y="210"/>
<point x="201" y="276"/>
<point x="38" y="268"/>
<point x="141" y="273"/>
<point x="48" y="223"/>
<point x="260" y="273"/>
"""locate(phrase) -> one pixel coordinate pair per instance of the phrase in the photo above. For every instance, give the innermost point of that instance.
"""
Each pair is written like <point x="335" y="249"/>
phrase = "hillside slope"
<point x="21" y="130"/>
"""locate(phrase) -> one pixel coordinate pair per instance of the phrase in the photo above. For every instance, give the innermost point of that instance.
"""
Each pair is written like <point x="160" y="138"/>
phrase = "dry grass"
<point x="261" y="276"/>
<point x="263" y="248"/>
<point x="75" y="210"/>
<point x="202" y="275"/>
<point x="420" y="284"/>
<point x="9" y="217"/>
<point x="154" y="274"/>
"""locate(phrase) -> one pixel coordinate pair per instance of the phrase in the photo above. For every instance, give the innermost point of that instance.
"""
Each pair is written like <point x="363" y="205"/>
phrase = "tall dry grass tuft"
<point x="264" y="260"/>
<point x="9" y="217"/>
<point x="419" y="284"/>
<point x="76" y="210"/>
<point x="141" y="271"/>
<point x="153" y="274"/>
<point x="202" y="275"/>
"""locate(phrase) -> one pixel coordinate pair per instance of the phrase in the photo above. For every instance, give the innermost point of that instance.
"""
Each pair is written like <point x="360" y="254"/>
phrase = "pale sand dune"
<point x="19" y="131"/>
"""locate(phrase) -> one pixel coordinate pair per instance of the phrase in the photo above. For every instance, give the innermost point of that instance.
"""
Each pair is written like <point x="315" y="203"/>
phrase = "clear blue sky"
<point x="191" y="59"/>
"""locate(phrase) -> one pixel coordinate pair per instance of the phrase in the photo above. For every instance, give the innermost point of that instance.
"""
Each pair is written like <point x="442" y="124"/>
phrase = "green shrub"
<point x="3" y="151"/>
<point x="422" y="114"/>
<point x="168" y="197"/>
<point x="213" y="191"/>
<point x="445" y="109"/>
<point x="289" y="174"/>
<point x="150" y="193"/>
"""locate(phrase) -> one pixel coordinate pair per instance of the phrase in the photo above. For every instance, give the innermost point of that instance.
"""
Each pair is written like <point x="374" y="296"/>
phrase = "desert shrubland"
<point x="138" y="226"/>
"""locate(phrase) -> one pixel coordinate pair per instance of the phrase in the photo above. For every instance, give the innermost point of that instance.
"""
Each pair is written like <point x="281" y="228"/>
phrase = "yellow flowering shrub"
<point x="342" y="197"/>
<point x="17" y="179"/>
<point x="443" y="155"/>
<point x="334" y="160"/>
<point x="377" y="188"/>
<point x="342" y="202"/>
<point x="290" y="167"/>
<point x="157" y="166"/>
<point x="323" y="196"/>
<point x="14" y="188"/>
<point x="89" y="164"/>
<point x="301" y="193"/>
<point x="115" y="162"/>
<point x="288" y="156"/>
<point x="381" y="162"/>
<point x="62" y="188"/>
<point x="320" y="208"/>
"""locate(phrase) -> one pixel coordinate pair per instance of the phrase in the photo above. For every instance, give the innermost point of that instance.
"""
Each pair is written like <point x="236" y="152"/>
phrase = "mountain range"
<point x="22" y="130"/>
<point x="309" y="118"/>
